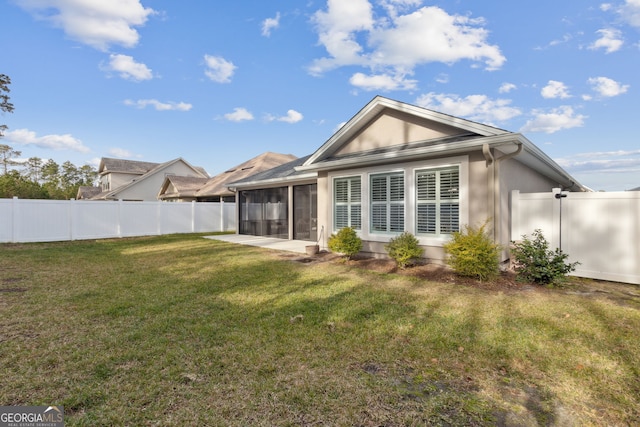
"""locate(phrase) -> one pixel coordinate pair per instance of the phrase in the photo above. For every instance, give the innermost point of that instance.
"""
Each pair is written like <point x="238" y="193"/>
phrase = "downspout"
<point x="490" y="164"/>
<point x="493" y="185"/>
<point x="237" y="197"/>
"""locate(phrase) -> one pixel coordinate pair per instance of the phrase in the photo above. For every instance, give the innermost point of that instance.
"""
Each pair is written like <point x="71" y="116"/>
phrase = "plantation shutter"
<point x="347" y="199"/>
<point x="438" y="201"/>
<point x="387" y="203"/>
<point x="449" y="196"/>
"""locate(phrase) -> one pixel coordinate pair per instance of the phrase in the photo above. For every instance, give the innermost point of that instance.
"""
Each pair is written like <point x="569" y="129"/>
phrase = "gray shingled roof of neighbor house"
<point x="219" y="184"/>
<point x="125" y="166"/>
<point x="184" y="186"/>
<point x="286" y="170"/>
<point x="87" y="192"/>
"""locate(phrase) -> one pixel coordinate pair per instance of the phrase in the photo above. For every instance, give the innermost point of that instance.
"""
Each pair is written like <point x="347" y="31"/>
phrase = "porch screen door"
<point x="305" y="212"/>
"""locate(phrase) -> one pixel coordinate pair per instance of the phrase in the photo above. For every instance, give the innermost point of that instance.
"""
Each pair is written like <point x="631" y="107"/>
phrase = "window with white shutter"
<point x="347" y="199"/>
<point x="387" y="203"/>
<point x="438" y="201"/>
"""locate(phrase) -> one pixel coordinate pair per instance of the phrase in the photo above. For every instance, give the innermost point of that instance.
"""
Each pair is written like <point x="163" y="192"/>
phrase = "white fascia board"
<point x="423" y="152"/>
<point x="268" y="182"/>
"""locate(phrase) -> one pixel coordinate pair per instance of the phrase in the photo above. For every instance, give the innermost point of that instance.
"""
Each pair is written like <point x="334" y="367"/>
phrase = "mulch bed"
<point x="439" y="273"/>
<point x="621" y="293"/>
<point x="431" y="272"/>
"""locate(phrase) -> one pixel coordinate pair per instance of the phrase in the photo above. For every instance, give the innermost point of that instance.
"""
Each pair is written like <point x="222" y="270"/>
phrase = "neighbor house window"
<point x="387" y="203"/>
<point x="347" y="199"/>
<point x="438" y="201"/>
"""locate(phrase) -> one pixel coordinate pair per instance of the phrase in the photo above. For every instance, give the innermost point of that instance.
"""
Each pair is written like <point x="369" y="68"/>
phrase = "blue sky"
<point x="218" y="83"/>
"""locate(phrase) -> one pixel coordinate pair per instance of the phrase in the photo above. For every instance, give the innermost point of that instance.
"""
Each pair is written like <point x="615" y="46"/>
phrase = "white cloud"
<point x="128" y="68"/>
<point x="630" y="12"/>
<point x="432" y="35"/>
<point x="556" y="42"/>
<point x="442" y="78"/>
<point x="95" y="162"/>
<point x="554" y="120"/>
<point x="339" y="126"/>
<point x="607" y="87"/>
<point x="605" y="7"/>
<point x="239" y="115"/>
<point x="396" y="43"/>
<point x="120" y="153"/>
<point x="473" y="107"/>
<point x="219" y="69"/>
<point x="555" y="89"/>
<point x="96" y="23"/>
<point x="270" y="24"/>
<point x="506" y="87"/>
<point x="159" y="106"/>
<point x="292" y="116"/>
<point x="53" y="142"/>
<point x="610" y="40"/>
<point x="383" y="82"/>
<point x="604" y="161"/>
<point x="337" y="30"/>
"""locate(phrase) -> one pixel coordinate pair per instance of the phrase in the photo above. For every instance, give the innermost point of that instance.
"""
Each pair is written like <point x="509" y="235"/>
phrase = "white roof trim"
<point x="282" y="180"/>
<point x="425" y="151"/>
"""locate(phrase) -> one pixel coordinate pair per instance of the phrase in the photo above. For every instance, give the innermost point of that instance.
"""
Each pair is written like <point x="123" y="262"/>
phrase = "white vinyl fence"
<point x="600" y="230"/>
<point x="24" y="220"/>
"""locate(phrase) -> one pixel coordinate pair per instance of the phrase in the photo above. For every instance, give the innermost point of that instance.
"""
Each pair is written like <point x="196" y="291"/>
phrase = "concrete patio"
<point x="297" y="246"/>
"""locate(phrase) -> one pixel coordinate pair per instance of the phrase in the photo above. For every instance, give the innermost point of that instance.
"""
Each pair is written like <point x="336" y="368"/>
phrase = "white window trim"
<point x="402" y="172"/>
<point x="332" y="183"/>
<point x="437" y="202"/>
<point x="409" y="170"/>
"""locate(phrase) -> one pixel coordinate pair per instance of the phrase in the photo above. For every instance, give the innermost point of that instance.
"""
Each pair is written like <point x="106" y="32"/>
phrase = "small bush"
<point x="403" y="249"/>
<point x="535" y="262"/>
<point x="473" y="253"/>
<point x="346" y="242"/>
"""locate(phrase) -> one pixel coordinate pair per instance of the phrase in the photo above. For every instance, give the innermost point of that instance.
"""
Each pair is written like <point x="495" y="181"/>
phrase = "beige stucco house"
<point x="397" y="167"/>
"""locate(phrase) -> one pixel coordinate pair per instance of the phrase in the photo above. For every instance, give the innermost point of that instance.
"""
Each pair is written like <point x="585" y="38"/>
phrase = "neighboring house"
<point x="182" y="189"/>
<point x="86" y="192"/>
<point x="397" y="167"/>
<point x="139" y="181"/>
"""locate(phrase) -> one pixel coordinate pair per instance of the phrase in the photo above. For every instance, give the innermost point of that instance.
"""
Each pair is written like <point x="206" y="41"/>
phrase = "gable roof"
<point x="182" y="186"/>
<point x="378" y="106"/>
<point x="218" y="185"/>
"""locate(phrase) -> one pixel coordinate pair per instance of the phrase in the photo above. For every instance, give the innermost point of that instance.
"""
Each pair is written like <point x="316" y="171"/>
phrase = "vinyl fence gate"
<point x="601" y="230"/>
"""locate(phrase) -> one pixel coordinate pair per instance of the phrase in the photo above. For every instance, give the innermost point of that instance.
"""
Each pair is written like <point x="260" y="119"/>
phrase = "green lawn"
<point x="182" y="330"/>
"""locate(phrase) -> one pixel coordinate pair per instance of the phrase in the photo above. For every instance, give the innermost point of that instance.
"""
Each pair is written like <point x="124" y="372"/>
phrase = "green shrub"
<point x="473" y="253"/>
<point x="346" y="242"/>
<point x="403" y="249"/>
<point x="535" y="262"/>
